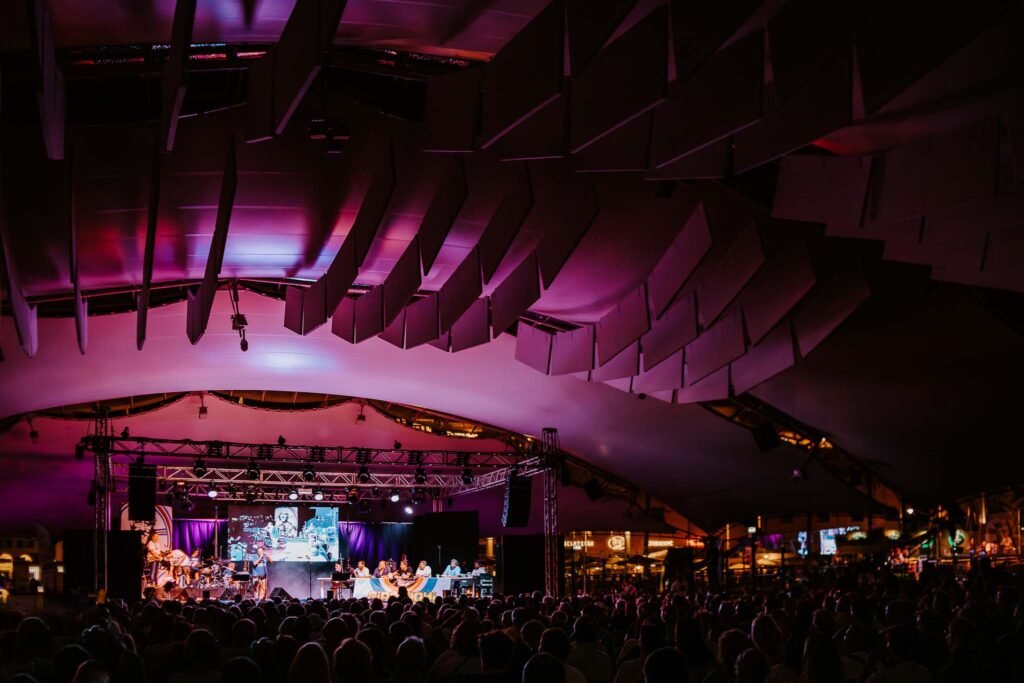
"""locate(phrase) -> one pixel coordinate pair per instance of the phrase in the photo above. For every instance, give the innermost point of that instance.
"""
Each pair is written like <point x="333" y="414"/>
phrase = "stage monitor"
<point x="289" y="533"/>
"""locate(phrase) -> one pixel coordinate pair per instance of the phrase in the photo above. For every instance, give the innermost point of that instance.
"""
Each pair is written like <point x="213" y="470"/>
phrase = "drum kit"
<point x="210" y="574"/>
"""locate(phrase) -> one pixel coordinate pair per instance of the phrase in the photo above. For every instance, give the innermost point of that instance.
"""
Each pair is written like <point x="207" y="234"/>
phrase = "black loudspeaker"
<point x="279" y="593"/>
<point x="141" y="492"/>
<point x="516" y="512"/>
<point x="766" y="437"/>
<point x="124" y="561"/>
<point x="593" y="489"/>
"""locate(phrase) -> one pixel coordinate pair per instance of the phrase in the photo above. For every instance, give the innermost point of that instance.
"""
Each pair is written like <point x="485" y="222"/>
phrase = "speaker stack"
<point x="141" y="492"/>
<point x="516" y="512"/>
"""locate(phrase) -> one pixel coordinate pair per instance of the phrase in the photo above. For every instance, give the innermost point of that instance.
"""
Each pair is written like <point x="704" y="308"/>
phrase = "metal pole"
<point x="552" y="466"/>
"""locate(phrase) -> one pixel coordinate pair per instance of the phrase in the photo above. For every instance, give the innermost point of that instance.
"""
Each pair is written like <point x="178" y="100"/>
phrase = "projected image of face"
<point x="287" y="533"/>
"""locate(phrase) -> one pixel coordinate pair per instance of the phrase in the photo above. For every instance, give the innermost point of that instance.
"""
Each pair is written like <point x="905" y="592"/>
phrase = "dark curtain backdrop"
<point x="373" y="541"/>
<point x="189" y="534"/>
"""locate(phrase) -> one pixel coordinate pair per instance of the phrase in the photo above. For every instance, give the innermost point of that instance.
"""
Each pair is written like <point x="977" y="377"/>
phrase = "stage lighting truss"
<point x="262" y="472"/>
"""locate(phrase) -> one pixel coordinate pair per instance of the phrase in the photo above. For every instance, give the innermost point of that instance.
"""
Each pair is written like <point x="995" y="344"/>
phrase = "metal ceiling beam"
<point x="81" y="305"/>
<point x="24" y="313"/>
<point x="152" y="216"/>
<point x="200" y="303"/>
<point x="174" y="75"/>
<point x="50" y="91"/>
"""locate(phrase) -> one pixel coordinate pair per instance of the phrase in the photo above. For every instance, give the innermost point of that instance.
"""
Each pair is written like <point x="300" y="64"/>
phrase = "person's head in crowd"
<point x="731" y="644"/>
<point x="242" y="669"/>
<point x="353" y="662"/>
<point x="821" y="660"/>
<point x="464" y="638"/>
<point x="67" y="660"/>
<point x="555" y="641"/>
<point x="531" y="632"/>
<point x="665" y="665"/>
<point x="652" y="636"/>
<point x="767" y="639"/>
<point x="91" y="671"/>
<point x="410" y="659"/>
<point x="496" y="651"/>
<point x="543" y="668"/>
<point x="201" y="651"/>
<point x="585" y="629"/>
<point x="751" y="667"/>
<point x="310" y="665"/>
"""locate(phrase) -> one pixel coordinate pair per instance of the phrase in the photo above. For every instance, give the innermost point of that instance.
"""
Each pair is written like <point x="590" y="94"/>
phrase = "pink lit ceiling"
<point x="682" y="202"/>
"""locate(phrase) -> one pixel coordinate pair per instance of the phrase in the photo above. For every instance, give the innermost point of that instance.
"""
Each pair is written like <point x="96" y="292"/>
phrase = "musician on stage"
<point x="361" y="571"/>
<point x="478" y="569"/>
<point x="403" y="575"/>
<point x="195" y="564"/>
<point x="259" y="573"/>
<point x="155" y="553"/>
<point x="423" y="571"/>
<point x="382" y="571"/>
<point x="453" y="569"/>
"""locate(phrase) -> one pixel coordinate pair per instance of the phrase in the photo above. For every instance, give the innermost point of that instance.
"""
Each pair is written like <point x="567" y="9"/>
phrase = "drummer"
<point x="195" y="564"/>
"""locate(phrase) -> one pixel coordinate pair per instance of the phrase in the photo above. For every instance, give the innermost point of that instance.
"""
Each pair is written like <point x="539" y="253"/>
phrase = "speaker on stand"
<point x="518" y="496"/>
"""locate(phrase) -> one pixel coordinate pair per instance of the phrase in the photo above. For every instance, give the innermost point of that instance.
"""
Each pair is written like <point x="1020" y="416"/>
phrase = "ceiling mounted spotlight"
<point x="281" y="440"/>
<point x="199" y="469"/>
<point x="252" y="471"/>
<point x="124" y="433"/>
<point x="293" y="495"/>
<point x="238" y="321"/>
<point x="203" y="410"/>
<point x="361" y="417"/>
<point x="395" y="495"/>
<point x="421" y="476"/>
<point x="353" y="494"/>
<point x="364" y="475"/>
<point x="408" y="510"/>
<point x="417" y="500"/>
<point x="232" y="491"/>
<point x="250" y="495"/>
<point x="212" y="491"/>
<point x="364" y="507"/>
<point x="398" y="445"/>
<point x="308" y="473"/>
<point x="318" y="495"/>
<point x="467" y="476"/>
<point x="375" y="491"/>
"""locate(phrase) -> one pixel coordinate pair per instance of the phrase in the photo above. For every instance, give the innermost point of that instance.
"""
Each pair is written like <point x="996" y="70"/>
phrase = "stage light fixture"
<point x="281" y="440"/>
<point x="252" y="471"/>
<point x="467" y="476"/>
<point x="361" y="417"/>
<point x="212" y="491"/>
<point x="293" y="495"/>
<point x="417" y="500"/>
<point x="250" y="496"/>
<point x="375" y="491"/>
<point x="364" y="474"/>
<point x="398" y="445"/>
<point x="318" y="495"/>
<point x="421" y="476"/>
<point x="80" y="450"/>
<point x="308" y="473"/>
<point x="232" y="491"/>
<point x="910" y="510"/>
<point x="353" y="495"/>
<point x="364" y="507"/>
<point x="199" y="469"/>
<point x="124" y="433"/>
<point x="394" y="496"/>
<point x="408" y="510"/>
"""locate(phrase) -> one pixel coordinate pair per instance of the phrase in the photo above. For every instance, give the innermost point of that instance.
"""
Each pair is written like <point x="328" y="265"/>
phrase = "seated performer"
<point x="195" y="564"/>
<point x="361" y="571"/>
<point x="403" y="575"/>
<point x="423" y="571"/>
<point x="478" y="569"/>
<point x="154" y="555"/>
<point x="382" y="571"/>
<point x="259" y="573"/>
<point x="452" y="569"/>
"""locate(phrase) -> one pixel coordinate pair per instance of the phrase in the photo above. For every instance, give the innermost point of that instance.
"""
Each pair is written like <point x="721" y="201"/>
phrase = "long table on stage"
<point x="364" y="587"/>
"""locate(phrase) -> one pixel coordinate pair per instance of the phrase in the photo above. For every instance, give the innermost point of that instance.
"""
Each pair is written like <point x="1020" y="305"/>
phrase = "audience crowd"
<point x="856" y="626"/>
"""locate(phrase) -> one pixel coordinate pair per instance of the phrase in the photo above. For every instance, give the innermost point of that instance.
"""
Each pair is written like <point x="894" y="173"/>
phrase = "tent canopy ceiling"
<point x="579" y="216"/>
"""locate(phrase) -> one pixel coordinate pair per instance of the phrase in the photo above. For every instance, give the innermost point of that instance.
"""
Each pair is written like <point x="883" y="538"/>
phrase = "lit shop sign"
<point x="579" y="544"/>
<point x="661" y="543"/>
<point x="617" y="542"/>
